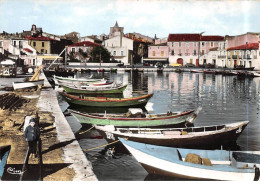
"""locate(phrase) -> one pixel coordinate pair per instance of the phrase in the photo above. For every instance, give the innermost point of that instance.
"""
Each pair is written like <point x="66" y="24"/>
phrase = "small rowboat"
<point x="106" y="102"/>
<point x="4" y="153"/>
<point x="92" y="89"/>
<point x="194" y="163"/>
<point x="28" y="84"/>
<point x="180" y="137"/>
<point x="77" y="79"/>
<point x="139" y="120"/>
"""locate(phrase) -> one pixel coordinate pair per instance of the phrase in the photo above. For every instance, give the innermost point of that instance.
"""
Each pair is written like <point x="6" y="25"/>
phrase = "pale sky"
<point x="148" y="17"/>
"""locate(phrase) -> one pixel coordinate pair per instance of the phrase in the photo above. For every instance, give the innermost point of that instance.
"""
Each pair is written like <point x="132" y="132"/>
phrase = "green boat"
<point x="176" y="119"/>
<point x="105" y="101"/>
<point x="102" y="89"/>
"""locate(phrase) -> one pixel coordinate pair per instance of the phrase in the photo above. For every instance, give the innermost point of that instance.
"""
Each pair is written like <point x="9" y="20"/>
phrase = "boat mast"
<point x="57" y="58"/>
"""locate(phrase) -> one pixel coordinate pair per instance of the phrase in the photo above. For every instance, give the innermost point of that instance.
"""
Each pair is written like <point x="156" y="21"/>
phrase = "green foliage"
<point x="100" y="53"/>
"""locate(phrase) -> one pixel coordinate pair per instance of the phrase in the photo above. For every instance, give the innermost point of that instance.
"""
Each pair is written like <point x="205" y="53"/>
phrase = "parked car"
<point x="189" y="65"/>
<point x="176" y="65"/>
<point x="120" y="65"/>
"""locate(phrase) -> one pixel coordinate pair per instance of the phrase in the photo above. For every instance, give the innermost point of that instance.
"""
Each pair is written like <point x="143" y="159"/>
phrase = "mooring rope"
<point x="100" y="146"/>
<point x="86" y="130"/>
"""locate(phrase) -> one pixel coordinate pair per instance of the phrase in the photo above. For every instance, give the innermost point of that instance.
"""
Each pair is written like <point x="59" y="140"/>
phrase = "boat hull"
<point x="4" y="153"/>
<point x="133" y="122"/>
<point x="202" y="139"/>
<point x="170" y="161"/>
<point x="95" y="90"/>
<point x="28" y="84"/>
<point x="107" y="102"/>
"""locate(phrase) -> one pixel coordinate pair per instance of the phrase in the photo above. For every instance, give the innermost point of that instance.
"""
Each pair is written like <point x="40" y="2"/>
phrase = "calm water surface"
<point x="224" y="99"/>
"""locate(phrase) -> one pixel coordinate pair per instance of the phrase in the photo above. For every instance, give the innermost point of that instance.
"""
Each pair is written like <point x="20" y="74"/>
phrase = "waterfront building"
<point x="18" y="49"/>
<point x="157" y="53"/>
<point x="80" y="51"/>
<point x="189" y="48"/>
<point x="242" y="51"/>
<point x="120" y="47"/>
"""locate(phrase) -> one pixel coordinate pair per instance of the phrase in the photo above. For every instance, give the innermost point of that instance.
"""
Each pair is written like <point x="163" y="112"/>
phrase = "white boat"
<point x="28" y="84"/>
<point x="196" y="164"/>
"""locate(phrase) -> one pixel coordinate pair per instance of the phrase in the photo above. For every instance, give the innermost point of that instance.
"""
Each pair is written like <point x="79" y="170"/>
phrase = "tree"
<point x="100" y="54"/>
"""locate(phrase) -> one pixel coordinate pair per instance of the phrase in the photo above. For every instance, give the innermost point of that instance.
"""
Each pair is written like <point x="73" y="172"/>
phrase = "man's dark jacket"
<point x="32" y="133"/>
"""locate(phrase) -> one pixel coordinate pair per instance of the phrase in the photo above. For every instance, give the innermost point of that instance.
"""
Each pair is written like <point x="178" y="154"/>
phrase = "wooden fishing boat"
<point x="138" y="120"/>
<point x="106" y="102"/>
<point x="95" y="83"/>
<point x="196" y="164"/>
<point x="4" y="153"/>
<point x="28" y="84"/>
<point x="77" y="79"/>
<point x="180" y="137"/>
<point x="92" y="89"/>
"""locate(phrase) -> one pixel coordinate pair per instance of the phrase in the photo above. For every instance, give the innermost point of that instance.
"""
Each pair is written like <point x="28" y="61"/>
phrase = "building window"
<point x="34" y="44"/>
<point x="172" y="44"/>
<point x="202" y="44"/>
<point x="179" y="44"/>
<point x="122" y="53"/>
<point x="194" y="53"/>
<point x="42" y="44"/>
<point x="172" y="52"/>
<point x="162" y="53"/>
<point x="114" y="53"/>
<point x="153" y="53"/>
<point x="42" y="51"/>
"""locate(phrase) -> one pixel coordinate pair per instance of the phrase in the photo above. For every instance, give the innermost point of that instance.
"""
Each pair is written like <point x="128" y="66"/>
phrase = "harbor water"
<point x="224" y="99"/>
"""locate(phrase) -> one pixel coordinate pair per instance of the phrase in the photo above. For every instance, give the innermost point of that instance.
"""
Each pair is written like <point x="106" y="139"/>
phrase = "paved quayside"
<point x="72" y="153"/>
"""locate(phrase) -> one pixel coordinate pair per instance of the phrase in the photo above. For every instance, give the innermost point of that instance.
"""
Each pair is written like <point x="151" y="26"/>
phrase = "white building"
<point x="120" y="47"/>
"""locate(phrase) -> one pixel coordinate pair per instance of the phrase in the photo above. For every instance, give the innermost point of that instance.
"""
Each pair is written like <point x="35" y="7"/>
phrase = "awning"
<point x="49" y="57"/>
<point x="27" y="50"/>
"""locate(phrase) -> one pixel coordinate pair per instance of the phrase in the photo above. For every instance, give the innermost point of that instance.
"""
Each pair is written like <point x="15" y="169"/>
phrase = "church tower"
<point x="116" y="30"/>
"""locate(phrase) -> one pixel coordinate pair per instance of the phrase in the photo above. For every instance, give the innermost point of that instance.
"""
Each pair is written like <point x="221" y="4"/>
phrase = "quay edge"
<point x="72" y="153"/>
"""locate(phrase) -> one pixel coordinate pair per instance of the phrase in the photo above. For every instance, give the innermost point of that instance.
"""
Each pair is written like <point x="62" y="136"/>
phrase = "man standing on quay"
<point x="32" y="135"/>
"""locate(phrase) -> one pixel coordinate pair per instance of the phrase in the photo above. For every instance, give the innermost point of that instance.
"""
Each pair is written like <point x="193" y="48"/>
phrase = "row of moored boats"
<point x="163" y="143"/>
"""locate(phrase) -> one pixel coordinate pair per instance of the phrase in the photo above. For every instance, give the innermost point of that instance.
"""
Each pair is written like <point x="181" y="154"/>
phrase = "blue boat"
<point x="4" y="153"/>
<point x="196" y="164"/>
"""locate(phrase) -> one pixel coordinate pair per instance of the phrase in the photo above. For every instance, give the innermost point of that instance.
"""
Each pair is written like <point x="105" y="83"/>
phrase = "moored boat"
<point x="106" y="102"/>
<point x="180" y="137"/>
<point x="77" y="79"/>
<point x="4" y="153"/>
<point x="27" y="84"/>
<point x="138" y="120"/>
<point x="94" y="89"/>
<point x="196" y="164"/>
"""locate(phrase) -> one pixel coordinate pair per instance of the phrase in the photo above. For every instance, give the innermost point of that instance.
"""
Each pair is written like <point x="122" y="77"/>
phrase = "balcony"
<point x="247" y="57"/>
<point x="234" y="56"/>
<point x="221" y="57"/>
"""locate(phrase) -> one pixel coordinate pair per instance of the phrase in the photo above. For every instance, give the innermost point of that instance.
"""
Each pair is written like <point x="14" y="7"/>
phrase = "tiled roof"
<point x="183" y="37"/>
<point x="212" y="38"/>
<point x="193" y="37"/>
<point x="41" y="38"/>
<point x="84" y="44"/>
<point x="27" y="50"/>
<point x="249" y="46"/>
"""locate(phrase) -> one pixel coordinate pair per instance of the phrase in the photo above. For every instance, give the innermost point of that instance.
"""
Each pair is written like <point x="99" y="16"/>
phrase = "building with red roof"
<point x="188" y="48"/>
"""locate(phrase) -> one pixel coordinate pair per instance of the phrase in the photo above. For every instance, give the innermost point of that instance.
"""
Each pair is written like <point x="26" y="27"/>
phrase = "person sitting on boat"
<point x="32" y="135"/>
